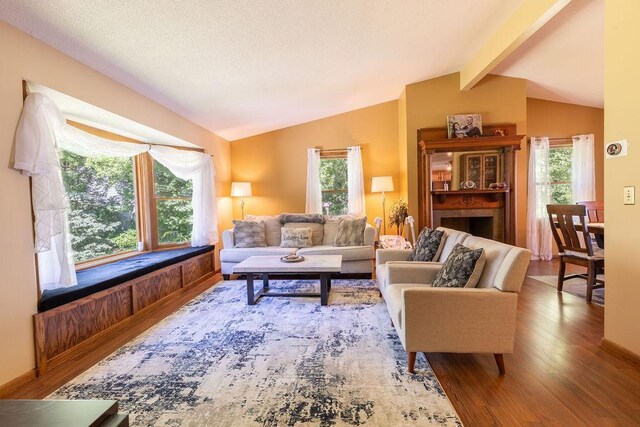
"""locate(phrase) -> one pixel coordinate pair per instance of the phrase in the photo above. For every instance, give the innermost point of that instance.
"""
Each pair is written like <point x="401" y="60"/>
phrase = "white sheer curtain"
<point x="42" y="131"/>
<point x="314" y="191"/>
<point x="539" y="238"/>
<point x="36" y="156"/>
<point x="197" y="167"/>
<point x="583" y="178"/>
<point x="355" y="181"/>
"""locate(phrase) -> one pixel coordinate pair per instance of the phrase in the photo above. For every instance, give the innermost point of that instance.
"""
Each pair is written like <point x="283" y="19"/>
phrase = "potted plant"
<point x="398" y="214"/>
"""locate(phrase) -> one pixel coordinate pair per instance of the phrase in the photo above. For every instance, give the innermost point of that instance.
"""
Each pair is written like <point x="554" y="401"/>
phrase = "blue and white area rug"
<point x="282" y="362"/>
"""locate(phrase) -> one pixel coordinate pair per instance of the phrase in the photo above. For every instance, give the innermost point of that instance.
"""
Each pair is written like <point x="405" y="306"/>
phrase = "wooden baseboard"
<point x="618" y="350"/>
<point x="18" y="382"/>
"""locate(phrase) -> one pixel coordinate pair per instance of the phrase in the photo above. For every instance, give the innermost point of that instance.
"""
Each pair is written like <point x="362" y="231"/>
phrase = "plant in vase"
<point x="398" y="214"/>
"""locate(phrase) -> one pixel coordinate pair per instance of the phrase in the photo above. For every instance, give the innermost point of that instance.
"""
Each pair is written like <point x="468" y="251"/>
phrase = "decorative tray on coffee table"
<point x="292" y="258"/>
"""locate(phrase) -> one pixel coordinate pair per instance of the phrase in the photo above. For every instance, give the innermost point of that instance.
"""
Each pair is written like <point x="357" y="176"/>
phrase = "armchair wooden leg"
<point x="500" y="362"/>
<point x="561" y="274"/>
<point x="412" y="361"/>
<point x="391" y="323"/>
<point x="226" y="276"/>
<point x="591" y="280"/>
<point x="379" y="293"/>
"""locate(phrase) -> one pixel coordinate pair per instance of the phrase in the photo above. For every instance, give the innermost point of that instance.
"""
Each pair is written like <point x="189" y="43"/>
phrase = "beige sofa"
<point x="454" y="320"/>
<point x="356" y="260"/>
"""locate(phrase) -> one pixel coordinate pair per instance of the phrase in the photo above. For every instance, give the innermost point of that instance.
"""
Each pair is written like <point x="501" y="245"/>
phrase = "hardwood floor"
<point x="558" y="374"/>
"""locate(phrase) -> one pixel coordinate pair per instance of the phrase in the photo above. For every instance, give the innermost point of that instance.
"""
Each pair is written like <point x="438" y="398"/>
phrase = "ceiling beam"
<point x="525" y="21"/>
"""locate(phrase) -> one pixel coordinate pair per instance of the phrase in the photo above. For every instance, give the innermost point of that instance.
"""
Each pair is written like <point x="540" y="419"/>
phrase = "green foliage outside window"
<point x="333" y="182"/>
<point x="560" y="175"/>
<point x="101" y="192"/>
<point x="175" y="212"/>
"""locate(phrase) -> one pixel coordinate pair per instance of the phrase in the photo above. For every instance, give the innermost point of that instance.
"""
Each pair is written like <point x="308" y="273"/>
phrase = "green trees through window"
<point x="103" y="201"/>
<point x="333" y="183"/>
<point x="173" y="203"/>
<point x="101" y="194"/>
<point x="560" y="174"/>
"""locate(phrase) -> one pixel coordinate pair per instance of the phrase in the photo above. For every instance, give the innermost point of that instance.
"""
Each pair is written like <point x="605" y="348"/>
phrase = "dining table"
<point x="597" y="228"/>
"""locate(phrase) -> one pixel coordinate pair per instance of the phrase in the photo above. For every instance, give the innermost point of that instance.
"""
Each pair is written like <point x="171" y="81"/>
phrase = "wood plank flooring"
<point x="557" y="376"/>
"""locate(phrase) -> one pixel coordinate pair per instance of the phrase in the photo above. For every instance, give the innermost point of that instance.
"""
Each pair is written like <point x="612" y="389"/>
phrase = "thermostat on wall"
<point x="616" y="149"/>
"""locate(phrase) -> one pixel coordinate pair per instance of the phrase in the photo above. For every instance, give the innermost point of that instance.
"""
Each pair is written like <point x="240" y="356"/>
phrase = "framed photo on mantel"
<point x="464" y="125"/>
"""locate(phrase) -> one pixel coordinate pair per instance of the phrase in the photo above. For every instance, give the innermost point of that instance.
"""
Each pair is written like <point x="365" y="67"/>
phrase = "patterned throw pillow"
<point x="351" y="232"/>
<point x="462" y="269"/>
<point x="427" y="246"/>
<point x="249" y="234"/>
<point x="271" y="227"/>
<point x="296" y="238"/>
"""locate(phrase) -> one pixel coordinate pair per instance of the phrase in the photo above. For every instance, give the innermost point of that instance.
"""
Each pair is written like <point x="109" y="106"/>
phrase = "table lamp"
<point x="380" y="184"/>
<point x="242" y="190"/>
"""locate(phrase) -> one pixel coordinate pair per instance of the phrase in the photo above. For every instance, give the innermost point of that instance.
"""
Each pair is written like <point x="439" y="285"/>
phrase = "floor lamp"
<point x="380" y="184"/>
<point x="242" y="190"/>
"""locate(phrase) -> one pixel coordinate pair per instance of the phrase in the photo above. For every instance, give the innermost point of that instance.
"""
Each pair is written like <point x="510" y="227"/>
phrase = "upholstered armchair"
<point x="457" y="320"/>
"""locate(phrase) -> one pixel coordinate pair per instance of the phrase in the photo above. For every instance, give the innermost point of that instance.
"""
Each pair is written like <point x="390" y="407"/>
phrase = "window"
<point x="333" y="183"/>
<point x="102" y="197"/>
<point x="173" y="206"/>
<point x="560" y="174"/>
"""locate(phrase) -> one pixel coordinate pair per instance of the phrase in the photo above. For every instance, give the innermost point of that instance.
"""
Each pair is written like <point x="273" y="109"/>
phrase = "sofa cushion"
<point x="296" y="238"/>
<point x="428" y="246"/>
<point x="249" y="234"/>
<point x="349" y="253"/>
<point x="331" y="223"/>
<point x="240" y="254"/>
<point x="351" y="232"/>
<point x="289" y="217"/>
<point x="317" y="230"/>
<point x="462" y="269"/>
<point x="451" y="239"/>
<point x="272" y="227"/>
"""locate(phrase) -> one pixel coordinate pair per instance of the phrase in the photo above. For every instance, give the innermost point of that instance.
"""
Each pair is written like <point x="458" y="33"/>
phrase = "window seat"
<point x="96" y="279"/>
<point x="111" y="298"/>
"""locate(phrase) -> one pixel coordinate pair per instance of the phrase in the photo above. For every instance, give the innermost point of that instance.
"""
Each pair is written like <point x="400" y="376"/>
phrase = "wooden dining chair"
<point x="595" y="210"/>
<point x="575" y="245"/>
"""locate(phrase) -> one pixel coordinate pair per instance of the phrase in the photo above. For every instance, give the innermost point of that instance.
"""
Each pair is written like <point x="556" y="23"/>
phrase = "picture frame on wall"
<point x="464" y="125"/>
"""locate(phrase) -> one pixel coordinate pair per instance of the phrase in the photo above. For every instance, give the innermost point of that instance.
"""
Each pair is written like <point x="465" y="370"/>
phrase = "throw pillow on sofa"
<point x="428" y="246"/>
<point x="296" y="238"/>
<point x="272" y="227"/>
<point x="462" y="269"/>
<point x="317" y="230"/>
<point x="351" y="232"/>
<point x="249" y="234"/>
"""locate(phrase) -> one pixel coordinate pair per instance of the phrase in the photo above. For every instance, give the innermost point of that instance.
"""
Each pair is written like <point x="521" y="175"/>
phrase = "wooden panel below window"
<point x="63" y="332"/>
<point x="197" y="267"/>
<point x="155" y="286"/>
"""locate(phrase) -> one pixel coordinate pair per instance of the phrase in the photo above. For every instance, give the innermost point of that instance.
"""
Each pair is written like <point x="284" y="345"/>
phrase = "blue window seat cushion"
<point x="103" y="277"/>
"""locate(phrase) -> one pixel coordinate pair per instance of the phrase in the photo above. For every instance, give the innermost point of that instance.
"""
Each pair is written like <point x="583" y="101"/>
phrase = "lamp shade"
<point x="241" y="189"/>
<point x="381" y="183"/>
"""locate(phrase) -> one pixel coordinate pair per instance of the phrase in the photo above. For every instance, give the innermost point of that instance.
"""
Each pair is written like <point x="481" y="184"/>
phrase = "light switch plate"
<point x="629" y="195"/>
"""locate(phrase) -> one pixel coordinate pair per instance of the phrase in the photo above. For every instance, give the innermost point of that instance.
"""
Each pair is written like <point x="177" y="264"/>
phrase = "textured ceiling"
<point x="240" y="68"/>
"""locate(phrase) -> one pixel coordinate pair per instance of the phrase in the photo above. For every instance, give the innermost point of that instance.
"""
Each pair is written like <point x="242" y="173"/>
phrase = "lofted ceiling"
<point x="240" y="67"/>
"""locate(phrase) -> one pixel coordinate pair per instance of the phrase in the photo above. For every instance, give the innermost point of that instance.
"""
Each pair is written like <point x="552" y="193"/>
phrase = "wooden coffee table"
<point x="321" y="265"/>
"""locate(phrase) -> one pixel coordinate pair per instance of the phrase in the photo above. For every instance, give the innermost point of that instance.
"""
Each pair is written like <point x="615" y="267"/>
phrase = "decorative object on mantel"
<point x="498" y="186"/>
<point x="380" y="184"/>
<point x="467" y="185"/>
<point x="398" y="214"/>
<point x="464" y="125"/>
<point x="242" y="190"/>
